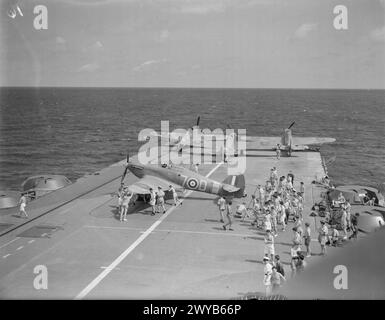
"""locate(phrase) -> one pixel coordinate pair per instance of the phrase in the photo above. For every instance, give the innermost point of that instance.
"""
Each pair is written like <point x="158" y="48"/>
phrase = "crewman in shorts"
<point x="229" y="215"/>
<point x="23" y="203"/>
<point x="222" y="207"/>
<point x="161" y="199"/>
<point x="322" y="237"/>
<point x="125" y="202"/>
<point x="174" y="195"/>
<point x="269" y="245"/>
<point x="256" y="210"/>
<point x="152" y="201"/>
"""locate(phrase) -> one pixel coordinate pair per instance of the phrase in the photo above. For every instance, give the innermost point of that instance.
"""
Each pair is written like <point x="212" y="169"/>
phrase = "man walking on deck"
<point x="174" y="195"/>
<point x="125" y="202"/>
<point x="229" y="214"/>
<point x="23" y="204"/>
<point x="222" y="207"/>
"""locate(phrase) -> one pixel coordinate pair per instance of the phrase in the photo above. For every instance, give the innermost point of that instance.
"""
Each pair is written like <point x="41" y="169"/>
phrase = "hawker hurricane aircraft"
<point x="154" y="176"/>
<point x="287" y="143"/>
<point x="194" y="138"/>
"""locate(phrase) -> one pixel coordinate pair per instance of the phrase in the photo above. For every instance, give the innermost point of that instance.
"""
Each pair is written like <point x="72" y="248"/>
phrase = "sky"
<point x="194" y="43"/>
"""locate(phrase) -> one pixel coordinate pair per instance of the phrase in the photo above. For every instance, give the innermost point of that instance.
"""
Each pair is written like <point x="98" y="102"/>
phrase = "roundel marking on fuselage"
<point x="192" y="183"/>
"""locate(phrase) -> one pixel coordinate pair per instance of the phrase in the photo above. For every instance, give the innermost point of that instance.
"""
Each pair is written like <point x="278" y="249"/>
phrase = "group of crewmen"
<point x="155" y="199"/>
<point x="347" y="222"/>
<point x="270" y="205"/>
<point x="277" y="203"/>
<point x="274" y="204"/>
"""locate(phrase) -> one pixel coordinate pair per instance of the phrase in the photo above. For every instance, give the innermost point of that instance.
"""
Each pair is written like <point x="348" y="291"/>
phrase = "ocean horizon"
<point x="75" y="131"/>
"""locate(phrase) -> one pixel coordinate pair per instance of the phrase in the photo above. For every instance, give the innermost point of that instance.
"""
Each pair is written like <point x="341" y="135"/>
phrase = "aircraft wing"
<point x="271" y="142"/>
<point x="143" y="185"/>
<point x="311" y="140"/>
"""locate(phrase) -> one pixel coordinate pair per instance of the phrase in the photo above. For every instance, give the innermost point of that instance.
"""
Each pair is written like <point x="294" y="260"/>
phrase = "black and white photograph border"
<point x="167" y="150"/>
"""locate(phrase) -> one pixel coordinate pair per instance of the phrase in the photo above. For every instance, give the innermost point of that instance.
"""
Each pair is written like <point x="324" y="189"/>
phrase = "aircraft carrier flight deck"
<point x="76" y="234"/>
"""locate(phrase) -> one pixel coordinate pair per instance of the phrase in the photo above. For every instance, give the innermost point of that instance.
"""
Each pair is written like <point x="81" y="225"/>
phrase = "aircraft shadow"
<point x="220" y="229"/>
<point x="199" y="198"/>
<point x="212" y="220"/>
<point x="284" y="244"/>
<point x="256" y="238"/>
<point x="261" y="233"/>
<point x="254" y="261"/>
<point x="138" y="208"/>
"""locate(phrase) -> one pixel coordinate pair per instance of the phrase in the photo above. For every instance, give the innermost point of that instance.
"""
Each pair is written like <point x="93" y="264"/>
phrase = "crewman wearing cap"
<point x="267" y="270"/>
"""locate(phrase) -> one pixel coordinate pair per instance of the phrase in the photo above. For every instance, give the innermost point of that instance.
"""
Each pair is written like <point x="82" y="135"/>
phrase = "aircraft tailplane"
<point x="235" y="184"/>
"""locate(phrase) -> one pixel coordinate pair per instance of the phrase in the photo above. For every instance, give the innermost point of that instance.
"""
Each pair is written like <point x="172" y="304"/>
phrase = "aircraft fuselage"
<point x="182" y="177"/>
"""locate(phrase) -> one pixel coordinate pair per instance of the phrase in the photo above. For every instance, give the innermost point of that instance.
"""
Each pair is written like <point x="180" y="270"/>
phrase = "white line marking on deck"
<point x="4" y="245"/>
<point x="117" y="268"/>
<point x="19" y="248"/>
<point x="7" y="255"/>
<point x="106" y="227"/>
<point x="30" y="241"/>
<point x="125" y="253"/>
<point x="228" y="233"/>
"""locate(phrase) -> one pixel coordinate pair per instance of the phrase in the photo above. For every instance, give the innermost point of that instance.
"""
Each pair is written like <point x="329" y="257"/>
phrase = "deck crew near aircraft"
<point x="155" y="177"/>
<point x="23" y="204"/>
<point x="174" y="194"/>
